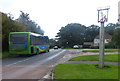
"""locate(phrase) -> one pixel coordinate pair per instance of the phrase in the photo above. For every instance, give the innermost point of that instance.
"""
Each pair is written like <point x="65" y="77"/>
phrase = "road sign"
<point x="103" y="15"/>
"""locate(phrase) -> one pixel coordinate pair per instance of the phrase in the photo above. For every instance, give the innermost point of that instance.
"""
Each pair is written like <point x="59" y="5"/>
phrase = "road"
<point x="32" y="67"/>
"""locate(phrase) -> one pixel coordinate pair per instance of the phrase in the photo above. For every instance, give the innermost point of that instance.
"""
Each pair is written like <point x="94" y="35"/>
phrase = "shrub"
<point x="94" y="47"/>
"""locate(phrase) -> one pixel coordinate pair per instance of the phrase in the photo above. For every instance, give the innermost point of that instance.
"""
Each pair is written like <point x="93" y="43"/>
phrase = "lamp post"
<point x="102" y="18"/>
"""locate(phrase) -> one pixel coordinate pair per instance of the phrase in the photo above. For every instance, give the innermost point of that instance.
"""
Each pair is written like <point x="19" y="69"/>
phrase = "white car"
<point x="56" y="47"/>
<point x="76" y="46"/>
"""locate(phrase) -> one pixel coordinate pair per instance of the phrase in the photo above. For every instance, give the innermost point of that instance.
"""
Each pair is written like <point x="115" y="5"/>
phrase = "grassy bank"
<point x="97" y="50"/>
<point x="111" y="58"/>
<point x="84" y="71"/>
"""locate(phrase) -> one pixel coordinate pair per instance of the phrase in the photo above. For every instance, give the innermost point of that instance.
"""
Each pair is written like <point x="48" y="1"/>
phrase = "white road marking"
<point x="18" y="62"/>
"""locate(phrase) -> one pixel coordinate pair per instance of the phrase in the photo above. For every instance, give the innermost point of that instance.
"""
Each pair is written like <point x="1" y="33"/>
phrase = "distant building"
<point x="107" y="39"/>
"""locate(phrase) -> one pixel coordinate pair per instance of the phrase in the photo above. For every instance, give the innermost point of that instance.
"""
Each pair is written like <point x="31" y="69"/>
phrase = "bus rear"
<point x="19" y="43"/>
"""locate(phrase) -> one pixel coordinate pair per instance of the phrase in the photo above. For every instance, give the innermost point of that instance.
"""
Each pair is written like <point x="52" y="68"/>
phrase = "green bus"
<point x="27" y="43"/>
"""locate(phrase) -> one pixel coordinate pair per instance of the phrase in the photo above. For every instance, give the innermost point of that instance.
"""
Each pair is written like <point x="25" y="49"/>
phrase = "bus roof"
<point x="35" y="34"/>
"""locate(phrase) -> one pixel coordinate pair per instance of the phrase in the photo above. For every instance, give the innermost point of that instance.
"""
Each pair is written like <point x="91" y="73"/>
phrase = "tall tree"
<point x="110" y="28"/>
<point x="71" y="34"/>
<point x="116" y="37"/>
<point x="29" y="24"/>
<point x="91" y="32"/>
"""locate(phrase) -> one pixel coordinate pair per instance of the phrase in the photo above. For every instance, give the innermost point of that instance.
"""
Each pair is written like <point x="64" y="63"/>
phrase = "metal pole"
<point x="101" y="46"/>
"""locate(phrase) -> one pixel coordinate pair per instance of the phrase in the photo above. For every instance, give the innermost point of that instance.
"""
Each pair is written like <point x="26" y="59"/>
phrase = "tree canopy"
<point x="30" y="25"/>
<point x="110" y="28"/>
<point x="71" y="34"/>
<point x="116" y="37"/>
<point x="91" y="32"/>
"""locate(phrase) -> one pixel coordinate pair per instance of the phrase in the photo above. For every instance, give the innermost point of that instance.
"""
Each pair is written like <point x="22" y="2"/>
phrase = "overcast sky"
<point x="51" y="15"/>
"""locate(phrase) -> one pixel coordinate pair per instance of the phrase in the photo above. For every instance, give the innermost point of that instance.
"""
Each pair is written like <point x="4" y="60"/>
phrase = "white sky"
<point x="51" y="15"/>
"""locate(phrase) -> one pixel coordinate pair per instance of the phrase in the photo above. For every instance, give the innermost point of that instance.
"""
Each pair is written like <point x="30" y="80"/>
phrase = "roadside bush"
<point x="94" y="47"/>
<point x="106" y="46"/>
<point x="110" y="46"/>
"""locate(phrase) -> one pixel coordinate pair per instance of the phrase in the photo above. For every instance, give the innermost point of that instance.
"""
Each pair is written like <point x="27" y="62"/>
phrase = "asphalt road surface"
<point x="30" y="67"/>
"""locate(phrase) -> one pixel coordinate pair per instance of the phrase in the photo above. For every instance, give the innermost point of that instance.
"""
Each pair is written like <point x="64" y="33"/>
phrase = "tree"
<point x="8" y="25"/>
<point x="114" y="30"/>
<point x="30" y="25"/>
<point x="71" y="34"/>
<point x="110" y="28"/>
<point x="116" y="37"/>
<point x="91" y="32"/>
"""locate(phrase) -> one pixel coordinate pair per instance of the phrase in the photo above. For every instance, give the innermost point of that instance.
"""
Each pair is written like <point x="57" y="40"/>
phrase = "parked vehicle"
<point x="76" y="47"/>
<point x="55" y="47"/>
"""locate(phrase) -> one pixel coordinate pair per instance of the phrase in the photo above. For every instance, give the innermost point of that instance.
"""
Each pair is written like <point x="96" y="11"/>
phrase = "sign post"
<point x="102" y="17"/>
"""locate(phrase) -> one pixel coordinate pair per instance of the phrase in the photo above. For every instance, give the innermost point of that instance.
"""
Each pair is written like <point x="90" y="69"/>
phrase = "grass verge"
<point x="106" y="50"/>
<point x="111" y="58"/>
<point x="84" y="71"/>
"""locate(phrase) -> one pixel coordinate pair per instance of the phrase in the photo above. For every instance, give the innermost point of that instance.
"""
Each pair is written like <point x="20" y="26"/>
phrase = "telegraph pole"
<point x="102" y="17"/>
